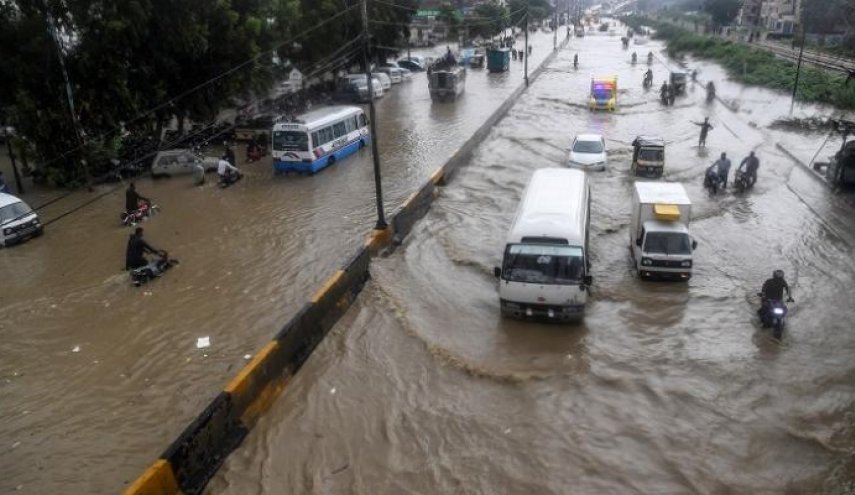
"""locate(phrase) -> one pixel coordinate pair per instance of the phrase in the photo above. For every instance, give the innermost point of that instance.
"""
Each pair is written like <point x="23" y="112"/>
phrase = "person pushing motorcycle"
<point x="773" y="290"/>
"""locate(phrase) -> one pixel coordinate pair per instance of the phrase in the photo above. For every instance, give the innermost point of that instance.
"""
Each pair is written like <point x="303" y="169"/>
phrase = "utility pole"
<point x="555" y="28"/>
<point x="798" y="71"/>
<point x="372" y="115"/>
<point x="567" y="21"/>
<point x="525" y="51"/>
<point x="78" y="130"/>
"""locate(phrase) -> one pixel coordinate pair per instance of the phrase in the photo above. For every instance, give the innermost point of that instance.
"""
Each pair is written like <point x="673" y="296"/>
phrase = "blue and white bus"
<point x="318" y="138"/>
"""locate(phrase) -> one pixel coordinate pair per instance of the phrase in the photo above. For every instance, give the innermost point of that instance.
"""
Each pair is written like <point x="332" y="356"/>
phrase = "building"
<point x="749" y="13"/>
<point x="780" y="16"/>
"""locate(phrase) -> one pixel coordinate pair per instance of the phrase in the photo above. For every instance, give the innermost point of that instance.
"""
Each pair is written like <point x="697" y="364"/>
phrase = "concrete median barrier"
<point x="193" y="458"/>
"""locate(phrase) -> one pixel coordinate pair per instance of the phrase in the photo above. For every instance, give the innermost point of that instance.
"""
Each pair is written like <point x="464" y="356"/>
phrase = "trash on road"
<point x="76" y="349"/>
<point x="203" y="342"/>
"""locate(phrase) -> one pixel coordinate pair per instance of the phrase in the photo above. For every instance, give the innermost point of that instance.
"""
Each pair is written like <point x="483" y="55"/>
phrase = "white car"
<point x="394" y="73"/>
<point x="385" y="80"/>
<point x="180" y="162"/>
<point x="18" y="222"/>
<point x="376" y="84"/>
<point x="588" y="152"/>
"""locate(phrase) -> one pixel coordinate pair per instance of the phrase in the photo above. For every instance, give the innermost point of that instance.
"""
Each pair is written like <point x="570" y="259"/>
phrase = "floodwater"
<point x="664" y="388"/>
<point x="98" y="377"/>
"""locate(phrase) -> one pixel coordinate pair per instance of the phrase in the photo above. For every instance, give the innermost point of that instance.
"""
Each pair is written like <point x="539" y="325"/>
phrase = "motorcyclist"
<point x="773" y="290"/>
<point x="663" y="92"/>
<point x="672" y="94"/>
<point x="226" y="170"/>
<point x="694" y="75"/>
<point x="723" y="165"/>
<point x="749" y="166"/>
<point x="649" y="58"/>
<point x="133" y="200"/>
<point x="137" y="247"/>
<point x="710" y="91"/>
<point x="634" y="57"/>
<point x="648" y="77"/>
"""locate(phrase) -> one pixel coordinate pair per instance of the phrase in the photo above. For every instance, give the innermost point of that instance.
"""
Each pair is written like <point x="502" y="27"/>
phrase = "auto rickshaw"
<point x="648" y="156"/>
<point x="678" y="82"/>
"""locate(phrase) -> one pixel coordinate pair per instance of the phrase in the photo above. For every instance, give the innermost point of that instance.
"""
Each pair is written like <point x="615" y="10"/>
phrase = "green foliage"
<point x="722" y="11"/>
<point x="755" y="66"/>
<point x="490" y="19"/>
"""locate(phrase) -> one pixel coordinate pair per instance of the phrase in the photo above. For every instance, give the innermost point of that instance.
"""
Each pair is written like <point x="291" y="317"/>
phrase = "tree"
<point x="722" y="12"/>
<point x="490" y="19"/>
<point x="537" y="10"/>
<point x="449" y="16"/>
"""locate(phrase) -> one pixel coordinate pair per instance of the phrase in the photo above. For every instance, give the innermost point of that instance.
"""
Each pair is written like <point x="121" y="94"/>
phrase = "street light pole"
<point x="525" y="52"/>
<point x="798" y="71"/>
<point x="372" y="114"/>
<point x="555" y="28"/>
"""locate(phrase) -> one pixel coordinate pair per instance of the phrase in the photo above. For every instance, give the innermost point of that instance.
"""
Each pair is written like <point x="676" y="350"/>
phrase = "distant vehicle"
<point x="476" y="61"/>
<point x="180" y="162"/>
<point x="659" y="232"/>
<point x="319" y="138"/>
<point x="446" y="81"/>
<point x="544" y="272"/>
<point x="415" y="64"/>
<point x="396" y="74"/>
<point x="640" y="40"/>
<point x="678" y="82"/>
<point x="18" y="222"/>
<point x="384" y="80"/>
<point x="355" y="89"/>
<point x="648" y="156"/>
<point x="498" y="59"/>
<point x="588" y="152"/>
<point x="603" y="93"/>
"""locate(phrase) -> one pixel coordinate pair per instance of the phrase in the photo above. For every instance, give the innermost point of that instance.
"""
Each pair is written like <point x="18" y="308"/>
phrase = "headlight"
<point x="646" y="261"/>
<point x="686" y="264"/>
<point x="7" y="231"/>
<point x="778" y="311"/>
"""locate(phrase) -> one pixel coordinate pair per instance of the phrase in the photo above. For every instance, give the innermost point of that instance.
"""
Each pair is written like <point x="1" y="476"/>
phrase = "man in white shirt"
<point x="226" y="170"/>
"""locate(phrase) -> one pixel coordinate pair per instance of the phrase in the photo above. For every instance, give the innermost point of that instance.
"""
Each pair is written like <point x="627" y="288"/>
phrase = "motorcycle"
<point x="742" y="181"/>
<point x="143" y="211"/>
<point x="712" y="182"/>
<point x="775" y="315"/>
<point x="229" y="179"/>
<point x="153" y="269"/>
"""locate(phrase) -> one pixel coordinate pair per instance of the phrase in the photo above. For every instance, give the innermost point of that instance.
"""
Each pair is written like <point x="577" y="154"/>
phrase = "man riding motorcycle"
<point x="648" y="78"/>
<point x="664" y="92"/>
<point x="710" y="91"/>
<point x="133" y="200"/>
<point x="228" y="173"/>
<point x="649" y="58"/>
<point x="773" y="290"/>
<point x="749" y="166"/>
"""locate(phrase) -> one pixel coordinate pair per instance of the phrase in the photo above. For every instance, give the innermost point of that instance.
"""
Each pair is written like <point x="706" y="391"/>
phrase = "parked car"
<point x="395" y="73"/>
<point x="415" y="64"/>
<point x="18" y="222"/>
<point x="181" y="162"/>
<point x="354" y="88"/>
<point x="588" y="152"/>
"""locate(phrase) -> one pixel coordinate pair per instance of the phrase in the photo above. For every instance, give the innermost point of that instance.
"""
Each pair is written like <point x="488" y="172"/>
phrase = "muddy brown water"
<point x="98" y="378"/>
<point x="665" y="388"/>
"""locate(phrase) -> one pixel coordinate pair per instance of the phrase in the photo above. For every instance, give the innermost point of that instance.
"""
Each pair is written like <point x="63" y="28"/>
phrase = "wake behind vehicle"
<point x="659" y="231"/>
<point x="544" y="272"/>
<point x="18" y="222"/>
<point x="319" y="138"/>
<point x="648" y="156"/>
<point x="603" y="93"/>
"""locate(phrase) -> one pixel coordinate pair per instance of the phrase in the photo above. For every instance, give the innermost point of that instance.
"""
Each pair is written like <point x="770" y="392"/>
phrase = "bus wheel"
<point x="361" y="143"/>
<point x="331" y="161"/>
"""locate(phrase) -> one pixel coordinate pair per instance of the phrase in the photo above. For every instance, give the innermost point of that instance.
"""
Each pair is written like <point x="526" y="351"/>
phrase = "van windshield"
<point x="543" y="264"/>
<point x="651" y="155"/>
<point x="588" y="147"/>
<point x="14" y="211"/>
<point x="667" y="243"/>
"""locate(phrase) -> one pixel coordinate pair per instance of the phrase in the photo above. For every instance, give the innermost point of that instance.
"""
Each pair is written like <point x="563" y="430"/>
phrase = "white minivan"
<point x="18" y="222"/>
<point x="544" y="272"/>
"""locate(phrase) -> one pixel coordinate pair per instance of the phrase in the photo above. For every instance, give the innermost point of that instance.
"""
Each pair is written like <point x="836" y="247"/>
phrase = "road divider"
<point x="193" y="458"/>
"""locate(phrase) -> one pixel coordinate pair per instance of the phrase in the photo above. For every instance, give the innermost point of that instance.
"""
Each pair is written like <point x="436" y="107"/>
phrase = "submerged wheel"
<point x="331" y="161"/>
<point x="778" y="332"/>
<point x="361" y="143"/>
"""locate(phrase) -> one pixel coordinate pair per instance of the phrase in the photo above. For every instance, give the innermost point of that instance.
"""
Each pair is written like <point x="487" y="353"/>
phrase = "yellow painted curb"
<point x="409" y="199"/>
<point x="437" y="177"/>
<point x="238" y="384"/>
<point x="378" y="239"/>
<point x="329" y="284"/>
<point x="158" y="479"/>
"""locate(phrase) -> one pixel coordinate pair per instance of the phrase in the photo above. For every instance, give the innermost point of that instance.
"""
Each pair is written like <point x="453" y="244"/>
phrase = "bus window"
<point x="362" y="122"/>
<point x="340" y="130"/>
<point x="290" y="141"/>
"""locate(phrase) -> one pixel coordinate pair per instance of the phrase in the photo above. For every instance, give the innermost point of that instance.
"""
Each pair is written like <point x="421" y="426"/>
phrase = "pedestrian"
<point x="705" y="128"/>
<point x="529" y="49"/>
<point x="514" y="54"/>
<point x="723" y="166"/>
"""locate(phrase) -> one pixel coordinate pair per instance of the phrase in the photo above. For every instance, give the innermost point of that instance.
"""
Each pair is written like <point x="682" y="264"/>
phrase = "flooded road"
<point x="98" y="378"/>
<point x="665" y="388"/>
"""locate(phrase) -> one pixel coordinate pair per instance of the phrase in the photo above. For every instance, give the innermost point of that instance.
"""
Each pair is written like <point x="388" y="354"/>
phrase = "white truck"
<point x="659" y="233"/>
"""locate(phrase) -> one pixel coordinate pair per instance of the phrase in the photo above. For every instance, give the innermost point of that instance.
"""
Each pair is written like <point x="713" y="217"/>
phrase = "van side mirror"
<point x="497" y="272"/>
<point x="588" y="280"/>
<point x="638" y="242"/>
<point x="694" y="244"/>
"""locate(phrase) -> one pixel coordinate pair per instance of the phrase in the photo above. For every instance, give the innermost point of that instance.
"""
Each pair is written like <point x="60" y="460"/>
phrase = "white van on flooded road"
<point x="18" y="222"/>
<point x="544" y="272"/>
